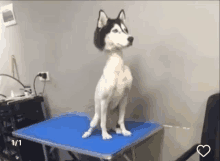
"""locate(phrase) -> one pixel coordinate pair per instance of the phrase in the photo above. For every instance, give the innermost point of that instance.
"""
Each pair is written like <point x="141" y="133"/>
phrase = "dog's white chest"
<point x="124" y="80"/>
<point x="115" y="80"/>
<point x="120" y="83"/>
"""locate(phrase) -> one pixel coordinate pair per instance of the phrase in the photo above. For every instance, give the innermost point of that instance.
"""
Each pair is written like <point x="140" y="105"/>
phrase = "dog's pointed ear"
<point x="102" y="20"/>
<point x="121" y="15"/>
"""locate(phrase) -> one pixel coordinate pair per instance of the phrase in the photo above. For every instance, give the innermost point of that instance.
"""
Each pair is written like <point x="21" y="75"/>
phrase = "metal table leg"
<point x="73" y="156"/>
<point x="45" y="152"/>
<point x="126" y="157"/>
<point x="133" y="153"/>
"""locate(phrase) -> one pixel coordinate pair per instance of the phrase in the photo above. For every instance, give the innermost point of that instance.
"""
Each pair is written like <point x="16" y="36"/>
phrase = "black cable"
<point x="3" y="95"/>
<point x="44" y="87"/>
<point x="12" y="78"/>
<point x="34" y="84"/>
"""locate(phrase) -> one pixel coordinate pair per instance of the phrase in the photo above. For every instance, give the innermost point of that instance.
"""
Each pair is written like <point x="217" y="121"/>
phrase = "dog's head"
<point x="112" y="34"/>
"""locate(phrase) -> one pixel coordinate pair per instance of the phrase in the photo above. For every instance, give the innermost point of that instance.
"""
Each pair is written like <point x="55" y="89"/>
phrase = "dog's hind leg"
<point x="117" y="130"/>
<point x="122" y="108"/>
<point x="104" y="107"/>
<point x="94" y="121"/>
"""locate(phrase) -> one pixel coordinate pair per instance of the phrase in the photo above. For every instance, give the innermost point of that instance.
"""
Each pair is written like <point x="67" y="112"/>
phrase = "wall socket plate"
<point x="41" y="79"/>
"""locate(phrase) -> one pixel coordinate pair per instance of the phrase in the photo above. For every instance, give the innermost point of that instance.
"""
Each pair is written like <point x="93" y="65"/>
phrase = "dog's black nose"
<point x="130" y="39"/>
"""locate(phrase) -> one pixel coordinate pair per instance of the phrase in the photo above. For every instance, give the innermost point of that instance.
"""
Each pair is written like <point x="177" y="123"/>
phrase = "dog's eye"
<point x="115" y="30"/>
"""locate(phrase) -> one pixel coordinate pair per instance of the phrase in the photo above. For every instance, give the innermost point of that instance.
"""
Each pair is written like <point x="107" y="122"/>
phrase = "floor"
<point x="179" y="140"/>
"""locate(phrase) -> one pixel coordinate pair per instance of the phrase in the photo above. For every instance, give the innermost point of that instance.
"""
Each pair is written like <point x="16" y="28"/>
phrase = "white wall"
<point x="174" y="59"/>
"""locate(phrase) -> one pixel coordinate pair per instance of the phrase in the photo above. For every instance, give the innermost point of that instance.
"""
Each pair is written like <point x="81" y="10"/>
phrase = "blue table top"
<point x="66" y="132"/>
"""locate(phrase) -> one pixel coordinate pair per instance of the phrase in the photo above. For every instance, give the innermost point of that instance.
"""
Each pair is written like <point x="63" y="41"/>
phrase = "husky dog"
<point x="111" y="36"/>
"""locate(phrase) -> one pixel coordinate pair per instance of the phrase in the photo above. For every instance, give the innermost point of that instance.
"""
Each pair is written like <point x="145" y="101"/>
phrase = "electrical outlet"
<point x="41" y="79"/>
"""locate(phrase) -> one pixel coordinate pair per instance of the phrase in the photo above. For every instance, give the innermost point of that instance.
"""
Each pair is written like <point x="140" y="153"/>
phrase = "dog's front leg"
<point x="122" y="109"/>
<point x="104" y="106"/>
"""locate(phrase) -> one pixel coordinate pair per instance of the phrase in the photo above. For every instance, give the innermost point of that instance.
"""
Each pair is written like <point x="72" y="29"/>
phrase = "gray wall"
<point x="174" y="59"/>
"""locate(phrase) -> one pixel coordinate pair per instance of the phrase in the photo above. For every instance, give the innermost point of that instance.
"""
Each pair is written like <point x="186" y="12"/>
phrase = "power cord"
<point x="44" y="76"/>
<point x="12" y="78"/>
<point x="34" y="83"/>
<point x="3" y="95"/>
<point x="44" y="87"/>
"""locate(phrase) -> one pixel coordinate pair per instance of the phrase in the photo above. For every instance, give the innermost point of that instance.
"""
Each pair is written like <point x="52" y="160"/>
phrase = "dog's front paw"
<point x="106" y="136"/>
<point x="126" y="133"/>
<point x="86" y="134"/>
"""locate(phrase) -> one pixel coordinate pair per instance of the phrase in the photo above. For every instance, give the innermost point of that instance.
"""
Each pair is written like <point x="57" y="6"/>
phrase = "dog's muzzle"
<point x="131" y="39"/>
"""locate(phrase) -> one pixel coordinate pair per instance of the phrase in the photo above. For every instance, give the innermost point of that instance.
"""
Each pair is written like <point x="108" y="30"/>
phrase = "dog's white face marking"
<point x="124" y="28"/>
<point x="117" y="38"/>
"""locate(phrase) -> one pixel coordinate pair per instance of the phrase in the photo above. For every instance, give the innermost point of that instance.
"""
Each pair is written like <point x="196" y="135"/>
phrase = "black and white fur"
<point x="111" y="36"/>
